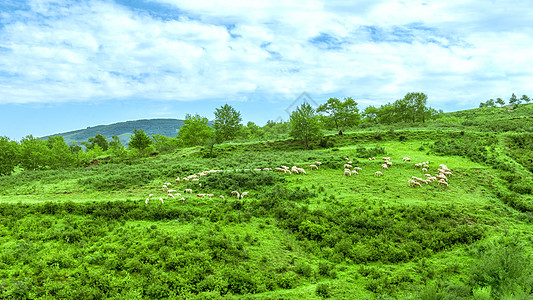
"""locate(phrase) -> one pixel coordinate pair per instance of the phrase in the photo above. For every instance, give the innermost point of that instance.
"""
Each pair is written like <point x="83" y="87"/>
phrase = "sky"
<point x="69" y="64"/>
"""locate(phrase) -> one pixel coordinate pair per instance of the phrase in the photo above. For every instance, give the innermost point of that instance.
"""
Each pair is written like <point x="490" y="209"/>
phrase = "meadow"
<point x="86" y="233"/>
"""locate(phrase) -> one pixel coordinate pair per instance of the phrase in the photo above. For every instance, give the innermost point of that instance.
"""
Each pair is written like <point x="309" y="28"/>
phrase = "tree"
<point x="139" y="140"/>
<point x="195" y="131"/>
<point x="513" y="99"/>
<point x="500" y="101"/>
<point x="417" y="106"/>
<point x="482" y="104"/>
<point x="9" y="155"/>
<point x="252" y="131"/>
<point x="370" y="114"/>
<point x="34" y="153"/>
<point x="99" y="140"/>
<point x="116" y="147"/>
<point x="304" y="125"/>
<point x="341" y="113"/>
<point x="60" y="154"/>
<point x="227" y="123"/>
<point x="525" y="99"/>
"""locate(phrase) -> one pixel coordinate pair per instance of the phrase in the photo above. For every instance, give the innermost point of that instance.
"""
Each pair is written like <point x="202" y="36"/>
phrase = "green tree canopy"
<point x="195" y="131"/>
<point x="304" y="125"/>
<point x="116" y="147"/>
<point x="60" y="154"/>
<point x="34" y="154"/>
<point x="99" y="140"/>
<point x="500" y="101"/>
<point x="340" y="114"/>
<point x="139" y="140"/>
<point x="9" y="155"/>
<point x="227" y="123"/>
<point x="525" y="99"/>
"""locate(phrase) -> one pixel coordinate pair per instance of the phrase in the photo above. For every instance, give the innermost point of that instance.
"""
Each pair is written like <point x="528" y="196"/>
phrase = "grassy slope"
<point x="471" y="195"/>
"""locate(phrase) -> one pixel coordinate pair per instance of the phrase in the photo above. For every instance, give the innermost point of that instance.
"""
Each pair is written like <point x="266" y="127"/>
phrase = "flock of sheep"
<point x="349" y="170"/>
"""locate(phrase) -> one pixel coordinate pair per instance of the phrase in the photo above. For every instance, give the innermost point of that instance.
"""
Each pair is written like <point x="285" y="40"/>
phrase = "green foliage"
<point x="140" y="141"/>
<point x="9" y="155"/>
<point x="505" y="267"/>
<point x="227" y="123"/>
<point x="340" y="114"/>
<point x="99" y="140"/>
<point x="323" y="290"/>
<point x="195" y="131"/>
<point x="304" y="124"/>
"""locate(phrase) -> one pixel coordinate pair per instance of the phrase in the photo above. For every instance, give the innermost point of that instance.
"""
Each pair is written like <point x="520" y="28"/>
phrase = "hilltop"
<point x="166" y="127"/>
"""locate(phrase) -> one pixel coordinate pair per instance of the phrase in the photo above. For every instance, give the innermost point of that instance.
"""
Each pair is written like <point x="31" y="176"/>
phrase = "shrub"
<point x="322" y="290"/>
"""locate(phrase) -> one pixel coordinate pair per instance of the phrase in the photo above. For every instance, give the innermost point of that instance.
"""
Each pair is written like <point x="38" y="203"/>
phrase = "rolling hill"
<point x="166" y="127"/>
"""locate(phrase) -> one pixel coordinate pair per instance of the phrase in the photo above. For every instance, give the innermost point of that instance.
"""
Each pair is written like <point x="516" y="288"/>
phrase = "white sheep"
<point x="378" y="173"/>
<point x="146" y="201"/>
<point x="424" y="169"/>
<point x="182" y="199"/>
<point x="161" y="199"/>
<point x="200" y="195"/>
<point x="165" y="188"/>
<point x="318" y="163"/>
<point x="150" y="196"/>
<point x="210" y="195"/>
<point x="170" y="191"/>
<point x="354" y="172"/>
<point x="388" y="163"/>
<point x="267" y="169"/>
<point x="257" y="170"/>
<point x="244" y="194"/>
<point x="177" y="180"/>
<point x="221" y="197"/>
<point x="347" y="166"/>
<point x="384" y="166"/>
<point x="357" y="168"/>
<point x="301" y="171"/>
<point x="406" y="159"/>
<point x="311" y="167"/>
<point x="188" y="191"/>
<point x="170" y="195"/>
<point x="347" y="172"/>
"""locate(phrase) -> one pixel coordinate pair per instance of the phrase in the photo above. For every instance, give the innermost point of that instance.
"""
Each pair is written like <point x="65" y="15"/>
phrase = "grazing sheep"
<point x="357" y="168"/>
<point x="378" y="173"/>
<point x="347" y="172"/>
<point x="350" y="162"/>
<point x="346" y="158"/>
<point x="177" y="194"/>
<point x="170" y="191"/>
<point x="161" y="199"/>
<point x="234" y="192"/>
<point x="448" y="173"/>
<point x="267" y="169"/>
<point x="370" y="158"/>
<point x="373" y="158"/>
<point x="182" y="200"/>
<point x="384" y="166"/>
<point x="442" y="182"/>
<point x="150" y="196"/>
<point x="311" y="167"/>
<point x="167" y="183"/>
<point x="177" y="180"/>
<point x="221" y="197"/>
<point x="185" y="179"/>
<point x="388" y="163"/>
<point x="411" y="182"/>
<point x="195" y="179"/>
<point x="257" y="170"/>
<point x="347" y="166"/>
<point x="354" y="172"/>
<point x="244" y="194"/>
<point x="427" y="175"/>
<point x="146" y="201"/>
<point x="165" y="188"/>
<point x="406" y="159"/>
<point x="170" y="195"/>
<point x="425" y="166"/>
<point x="301" y="171"/>
<point x="318" y="163"/>
<point x="188" y="191"/>
<point x="210" y="195"/>
<point x="424" y="169"/>
<point x="200" y="195"/>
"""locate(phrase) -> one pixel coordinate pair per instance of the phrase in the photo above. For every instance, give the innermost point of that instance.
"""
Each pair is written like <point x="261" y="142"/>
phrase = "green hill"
<point x="166" y="127"/>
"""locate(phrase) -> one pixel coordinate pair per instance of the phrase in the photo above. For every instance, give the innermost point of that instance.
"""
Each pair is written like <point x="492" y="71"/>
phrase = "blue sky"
<point x="66" y="65"/>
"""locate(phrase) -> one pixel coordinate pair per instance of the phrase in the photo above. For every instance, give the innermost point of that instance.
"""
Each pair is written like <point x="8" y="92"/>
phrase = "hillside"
<point x="166" y="127"/>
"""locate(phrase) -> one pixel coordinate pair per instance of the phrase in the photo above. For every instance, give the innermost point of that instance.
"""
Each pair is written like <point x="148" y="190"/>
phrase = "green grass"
<point x="87" y="232"/>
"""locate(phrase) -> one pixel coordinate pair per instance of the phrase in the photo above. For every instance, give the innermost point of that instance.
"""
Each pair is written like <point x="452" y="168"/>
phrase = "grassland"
<point x="87" y="233"/>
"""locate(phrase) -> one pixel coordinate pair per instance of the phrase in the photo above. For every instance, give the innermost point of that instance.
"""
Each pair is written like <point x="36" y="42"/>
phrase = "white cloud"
<point x="59" y="51"/>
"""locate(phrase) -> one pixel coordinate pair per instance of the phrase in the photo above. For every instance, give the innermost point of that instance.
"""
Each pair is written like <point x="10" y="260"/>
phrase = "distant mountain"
<point x="166" y="127"/>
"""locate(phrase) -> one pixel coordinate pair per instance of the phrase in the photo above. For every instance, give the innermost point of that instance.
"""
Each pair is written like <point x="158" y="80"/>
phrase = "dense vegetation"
<point x="71" y="230"/>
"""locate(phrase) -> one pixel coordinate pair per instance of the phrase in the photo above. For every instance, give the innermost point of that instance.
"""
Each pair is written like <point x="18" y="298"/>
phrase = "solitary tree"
<point x="195" y="131"/>
<point x="140" y="141"/>
<point x="525" y="99"/>
<point x="304" y="125"/>
<point x="9" y="155"/>
<point x="500" y="101"/>
<point x="341" y="113"/>
<point x="227" y="122"/>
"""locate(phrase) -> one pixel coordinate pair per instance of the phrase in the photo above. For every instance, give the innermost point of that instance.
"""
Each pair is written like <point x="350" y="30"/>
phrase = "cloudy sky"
<point x="66" y="65"/>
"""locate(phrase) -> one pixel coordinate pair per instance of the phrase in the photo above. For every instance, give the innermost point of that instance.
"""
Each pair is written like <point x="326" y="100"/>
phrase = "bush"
<point x="322" y="290"/>
<point x="505" y="267"/>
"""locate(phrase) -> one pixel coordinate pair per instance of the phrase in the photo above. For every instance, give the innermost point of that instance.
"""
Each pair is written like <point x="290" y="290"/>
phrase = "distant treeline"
<point x="514" y="101"/>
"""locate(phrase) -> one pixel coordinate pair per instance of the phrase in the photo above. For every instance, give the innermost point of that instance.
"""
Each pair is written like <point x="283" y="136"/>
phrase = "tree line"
<point x="305" y="125"/>
<point x="514" y="101"/>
